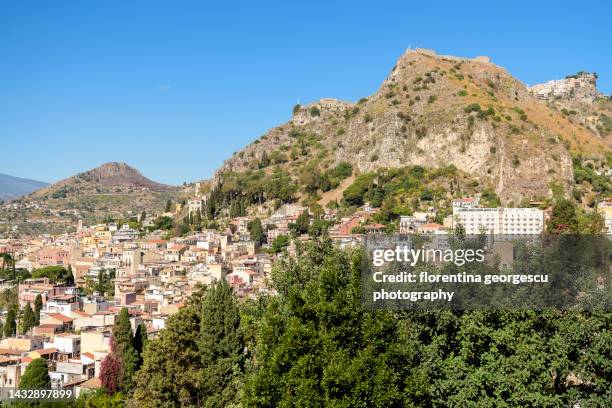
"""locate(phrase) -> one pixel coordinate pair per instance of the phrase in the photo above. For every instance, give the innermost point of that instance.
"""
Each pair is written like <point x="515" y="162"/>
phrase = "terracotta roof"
<point x="88" y="355"/>
<point x="49" y="350"/>
<point x="63" y="297"/>
<point x="49" y="325"/>
<point x="7" y="359"/>
<point x="61" y="317"/>
<point x="73" y="383"/>
<point x="92" y="383"/>
<point x="11" y="352"/>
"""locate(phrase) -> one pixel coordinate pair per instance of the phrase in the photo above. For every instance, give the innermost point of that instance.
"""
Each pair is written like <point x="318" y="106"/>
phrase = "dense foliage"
<point x="36" y="375"/>
<point x="198" y="360"/>
<point x="314" y="344"/>
<point x="55" y="274"/>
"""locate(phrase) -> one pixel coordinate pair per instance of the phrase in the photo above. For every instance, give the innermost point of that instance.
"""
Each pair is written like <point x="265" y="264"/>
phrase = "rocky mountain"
<point x="577" y="98"/>
<point x="112" y="189"/>
<point x="435" y="111"/>
<point x="13" y="187"/>
<point x="108" y="178"/>
<point x="581" y="87"/>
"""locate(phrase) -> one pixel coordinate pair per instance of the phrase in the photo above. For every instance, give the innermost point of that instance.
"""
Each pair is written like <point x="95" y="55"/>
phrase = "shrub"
<point x="343" y="170"/>
<point x="426" y="195"/>
<point x="473" y="107"/>
<point x="314" y="111"/>
<point x="354" y="193"/>
<point x="421" y="132"/>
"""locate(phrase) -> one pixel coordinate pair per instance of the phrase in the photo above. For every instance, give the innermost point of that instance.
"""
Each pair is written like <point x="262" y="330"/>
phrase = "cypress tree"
<point x="124" y="343"/>
<point x="140" y="341"/>
<point x="257" y="233"/>
<point x="28" y="320"/>
<point x="221" y="345"/>
<point x="38" y="304"/>
<point x="10" y="327"/>
<point x="171" y="371"/>
<point x="36" y="375"/>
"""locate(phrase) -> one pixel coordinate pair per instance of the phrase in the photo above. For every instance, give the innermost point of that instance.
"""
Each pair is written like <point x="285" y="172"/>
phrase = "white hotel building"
<point x="502" y="221"/>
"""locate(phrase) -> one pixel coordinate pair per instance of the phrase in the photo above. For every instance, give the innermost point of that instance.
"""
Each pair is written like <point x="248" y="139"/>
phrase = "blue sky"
<point x="173" y="88"/>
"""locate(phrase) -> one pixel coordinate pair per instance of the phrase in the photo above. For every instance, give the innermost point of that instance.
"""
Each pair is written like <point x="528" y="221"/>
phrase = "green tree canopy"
<point x="28" y="320"/>
<point x="256" y="231"/>
<point x="36" y="375"/>
<point x="318" y="347"/>
<point x="172" y="366"/>
<point x="124" y="343"/>
<point x="10" y="326"/>
<point x="56" y="274"/>
<point x="221" y="345"/>
<point x="38" y="304"/>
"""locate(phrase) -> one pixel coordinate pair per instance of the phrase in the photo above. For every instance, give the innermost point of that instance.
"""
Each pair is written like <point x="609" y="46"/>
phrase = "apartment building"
<point x="506" y="221"/>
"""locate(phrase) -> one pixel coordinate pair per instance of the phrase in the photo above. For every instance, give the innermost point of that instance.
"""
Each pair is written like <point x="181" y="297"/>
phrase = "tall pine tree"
<point x="172" y="368"/>
<point x="221" y="346"/>
<point x="124" y="343"/>
<point x="256" y="231"/>
<point x="140" y="341"/>
<point x="28" y="319"/>
<point x="10" y="327"/>
<point x="38" y="304"/>
<point x="36" y="375"/>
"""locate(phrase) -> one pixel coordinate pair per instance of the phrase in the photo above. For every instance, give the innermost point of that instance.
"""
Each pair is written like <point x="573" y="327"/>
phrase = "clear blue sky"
<point x="175" y="87"/>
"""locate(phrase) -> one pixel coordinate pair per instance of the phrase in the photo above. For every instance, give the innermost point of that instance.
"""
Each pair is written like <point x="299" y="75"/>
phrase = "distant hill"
<point x="114" y="189"/>
<point x="108" y="178"/>
<point x="13" y="187"/>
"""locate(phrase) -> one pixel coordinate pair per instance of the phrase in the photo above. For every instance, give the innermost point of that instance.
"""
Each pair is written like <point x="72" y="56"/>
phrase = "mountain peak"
<point x="112" y="172"/>
<point x="108" y="177"/>
<point x="434" y="111"/>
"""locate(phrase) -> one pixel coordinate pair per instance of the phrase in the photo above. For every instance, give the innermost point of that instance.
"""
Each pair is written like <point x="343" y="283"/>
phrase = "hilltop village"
<point x="66" y="291"/>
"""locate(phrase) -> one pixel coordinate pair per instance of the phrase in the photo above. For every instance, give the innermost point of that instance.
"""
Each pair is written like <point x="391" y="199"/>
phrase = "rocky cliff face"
<point x="436" y="111"/>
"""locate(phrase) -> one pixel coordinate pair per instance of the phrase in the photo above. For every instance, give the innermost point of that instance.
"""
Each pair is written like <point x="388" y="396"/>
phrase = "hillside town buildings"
<point x="153" y="275"/>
